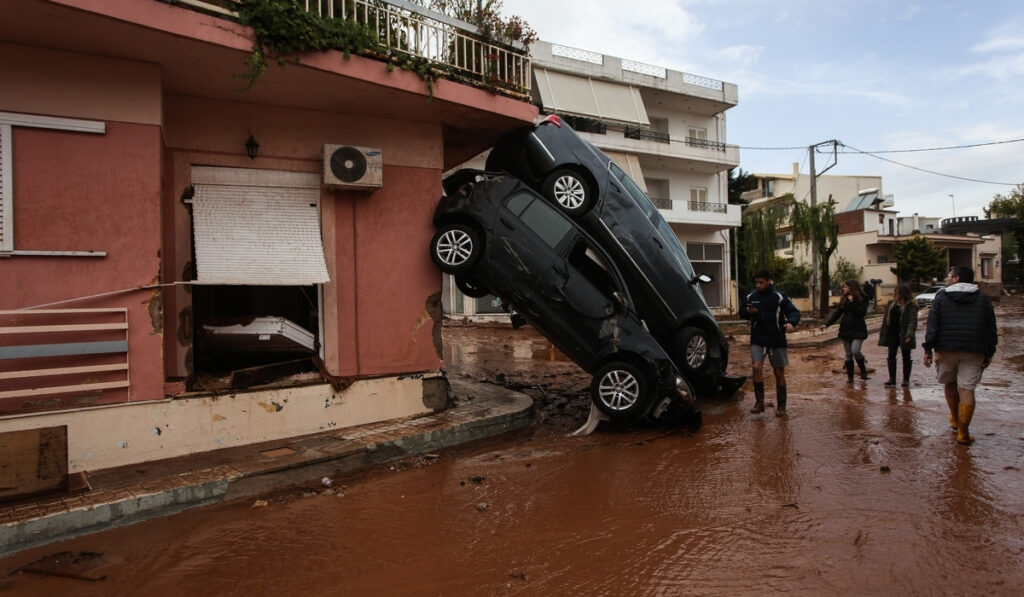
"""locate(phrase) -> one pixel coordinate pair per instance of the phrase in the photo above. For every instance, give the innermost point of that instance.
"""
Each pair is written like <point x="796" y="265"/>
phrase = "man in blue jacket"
<point x="962" y="333"/>
<point x="771" y="314"/>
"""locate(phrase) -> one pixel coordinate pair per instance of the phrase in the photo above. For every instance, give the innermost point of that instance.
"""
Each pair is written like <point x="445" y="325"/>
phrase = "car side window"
<point x="634" y="191"/>
<point x="541" y="218"/>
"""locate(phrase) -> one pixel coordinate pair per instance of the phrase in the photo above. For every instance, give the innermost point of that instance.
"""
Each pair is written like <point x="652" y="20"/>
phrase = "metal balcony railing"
<point x="661" y="203"/>
<point x="454" y="45"/>
<point x="705" y="144"/>
<point x="708" y="207"/>
<point x="635" y="132"/>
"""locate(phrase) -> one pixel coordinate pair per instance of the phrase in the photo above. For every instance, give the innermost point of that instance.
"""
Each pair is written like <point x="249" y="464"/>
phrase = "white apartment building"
<point x="667" y="130"/>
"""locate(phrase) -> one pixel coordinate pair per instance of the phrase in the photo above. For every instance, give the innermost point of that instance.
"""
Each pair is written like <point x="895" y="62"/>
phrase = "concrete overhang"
<point x="201" y="55"/>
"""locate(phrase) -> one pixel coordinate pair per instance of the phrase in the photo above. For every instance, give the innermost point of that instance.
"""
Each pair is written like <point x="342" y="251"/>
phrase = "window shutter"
<point x="257" y="235"/>
<point x="6" y="191"/>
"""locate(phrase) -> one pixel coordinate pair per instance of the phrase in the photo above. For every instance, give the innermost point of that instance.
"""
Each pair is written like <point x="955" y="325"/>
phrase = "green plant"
<point x="844" y="271"/>
<point x="794" y="281"/>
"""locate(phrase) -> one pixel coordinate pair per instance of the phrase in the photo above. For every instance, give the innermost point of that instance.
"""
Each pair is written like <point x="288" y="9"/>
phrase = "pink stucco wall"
<point x="98" y="192"/>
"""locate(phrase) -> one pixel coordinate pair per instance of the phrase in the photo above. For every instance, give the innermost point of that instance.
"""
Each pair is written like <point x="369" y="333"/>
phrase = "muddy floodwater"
<point x="861" y="490"/>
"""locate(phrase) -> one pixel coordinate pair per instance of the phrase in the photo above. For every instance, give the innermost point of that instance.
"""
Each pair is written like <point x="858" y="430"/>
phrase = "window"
<point x="708" y="259"/>
<point x="697" y="134"/>
<point x="986" y="268"/>
<point x="767" y="187"/>
<point x="784" y="241"/>
<point x="545" y="222"/>
<point x="698" y="195"/>
<point x="6" y="197"/>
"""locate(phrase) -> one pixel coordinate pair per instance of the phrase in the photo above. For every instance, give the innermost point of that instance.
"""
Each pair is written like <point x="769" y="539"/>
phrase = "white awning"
<point x="590" y="98"/>
<point x="631" y="164"/>
<point x="258" y="235"/>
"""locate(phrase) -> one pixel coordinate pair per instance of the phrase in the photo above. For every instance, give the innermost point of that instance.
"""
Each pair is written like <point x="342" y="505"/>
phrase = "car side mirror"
<point x="702" y="279"/>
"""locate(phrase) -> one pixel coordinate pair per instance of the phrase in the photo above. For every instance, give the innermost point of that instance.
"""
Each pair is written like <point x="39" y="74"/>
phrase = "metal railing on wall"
<point x="47" y="355"/>
<point x="406" y="27"/>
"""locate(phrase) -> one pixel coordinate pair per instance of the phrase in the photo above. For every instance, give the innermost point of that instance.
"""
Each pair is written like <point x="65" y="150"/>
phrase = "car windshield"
<point x="668" y="237"/>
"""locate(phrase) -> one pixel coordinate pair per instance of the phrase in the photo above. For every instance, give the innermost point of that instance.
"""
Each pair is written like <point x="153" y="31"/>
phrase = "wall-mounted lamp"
<point x="252" y="147"/>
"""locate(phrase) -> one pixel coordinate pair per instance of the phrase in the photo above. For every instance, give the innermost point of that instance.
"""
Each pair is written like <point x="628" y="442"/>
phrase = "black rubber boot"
<point x="849" y="371"/>
<point x="892" y="373"/>
<point x="906" y="372"/>
<point x="863" y="366"/>
<point x="780" y="398"/>
<point x="758" y="398"/>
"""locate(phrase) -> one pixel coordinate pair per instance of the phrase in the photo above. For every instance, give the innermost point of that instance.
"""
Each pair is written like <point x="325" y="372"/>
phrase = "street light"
<point x="954" y="205"/>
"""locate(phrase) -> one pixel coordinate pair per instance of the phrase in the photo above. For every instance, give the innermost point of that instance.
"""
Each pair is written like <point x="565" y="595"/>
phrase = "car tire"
<point x="470" y="287"/>
<point x="455" y="248"/>
<point x="569" y="191"/>
<point x="692" y="348"/>
<point x="620" y="390"/>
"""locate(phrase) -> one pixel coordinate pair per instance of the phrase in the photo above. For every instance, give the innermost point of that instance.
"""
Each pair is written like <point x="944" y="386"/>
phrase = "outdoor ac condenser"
<point x="351" y="168"/>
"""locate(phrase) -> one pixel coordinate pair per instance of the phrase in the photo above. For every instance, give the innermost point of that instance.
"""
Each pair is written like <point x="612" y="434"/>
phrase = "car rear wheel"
<point x="569" y="191"/>
<point x="455" y="248"/>
<point x="620" y="390"/>
<point x="692" y="347"/>
<point x="470" y="287"/>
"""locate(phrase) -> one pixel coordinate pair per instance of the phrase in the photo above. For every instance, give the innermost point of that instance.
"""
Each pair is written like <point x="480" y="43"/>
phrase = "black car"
<point x="496" y="235"/>
<point x="590" y="187"/>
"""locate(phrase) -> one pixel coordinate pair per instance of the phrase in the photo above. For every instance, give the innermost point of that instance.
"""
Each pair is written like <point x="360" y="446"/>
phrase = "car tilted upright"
<point x="496" y="235"/>
<point x="588" y="186"/>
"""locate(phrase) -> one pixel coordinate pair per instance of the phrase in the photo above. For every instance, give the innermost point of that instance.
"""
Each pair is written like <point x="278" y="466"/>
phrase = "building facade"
<point x="154" y="213"/>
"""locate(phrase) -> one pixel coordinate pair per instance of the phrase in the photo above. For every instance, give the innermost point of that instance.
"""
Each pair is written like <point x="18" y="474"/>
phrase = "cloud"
<point x="741" y="56"/>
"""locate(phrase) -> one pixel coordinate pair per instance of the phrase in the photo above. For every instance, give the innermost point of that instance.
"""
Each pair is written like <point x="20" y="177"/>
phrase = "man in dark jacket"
<point x="962" y="333"/>
<point x="771" y="314"/>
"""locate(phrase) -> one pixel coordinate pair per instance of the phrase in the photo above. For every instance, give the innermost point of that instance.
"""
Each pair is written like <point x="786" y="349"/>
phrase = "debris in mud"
<point x="80" y="566"/>
<point x="884" y="468"/>
<point x="477" y="479"/>
<point x="259" y="504"/>
<point x="481" y="506"/>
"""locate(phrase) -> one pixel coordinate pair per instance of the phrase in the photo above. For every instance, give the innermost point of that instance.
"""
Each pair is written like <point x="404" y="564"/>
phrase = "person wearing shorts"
<point x="962" y="334"/>
<point x="771" y="314"/>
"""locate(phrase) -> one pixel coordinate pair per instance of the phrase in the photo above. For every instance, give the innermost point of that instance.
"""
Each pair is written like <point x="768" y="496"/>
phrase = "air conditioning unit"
<point x="351" y="168"/>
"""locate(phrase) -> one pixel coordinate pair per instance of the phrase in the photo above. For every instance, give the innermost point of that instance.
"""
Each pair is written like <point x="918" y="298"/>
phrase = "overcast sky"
<point x="876" y="75"/>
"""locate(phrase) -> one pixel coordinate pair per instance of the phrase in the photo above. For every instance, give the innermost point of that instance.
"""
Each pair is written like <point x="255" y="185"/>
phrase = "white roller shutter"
<point x="258" y="235"/>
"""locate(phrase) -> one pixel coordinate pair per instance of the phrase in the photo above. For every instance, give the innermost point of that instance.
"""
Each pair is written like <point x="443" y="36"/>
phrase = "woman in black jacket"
<point x="852" y="330"/>
<point x="899" y="332"/>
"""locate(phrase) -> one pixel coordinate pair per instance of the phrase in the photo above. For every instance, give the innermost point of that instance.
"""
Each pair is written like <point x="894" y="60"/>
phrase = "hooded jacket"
<point x="907" y="325"/>
<point x="774" y="311"/>
<point x="961" y="319"/>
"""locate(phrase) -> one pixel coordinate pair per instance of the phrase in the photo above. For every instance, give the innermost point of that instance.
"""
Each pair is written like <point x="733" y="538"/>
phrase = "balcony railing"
<point x="705" y="144"/>
<point x="720" y="208"/>
<point x="454" y="45"/>
<point x="662" y="203"/>
<point x="635" y="132"/>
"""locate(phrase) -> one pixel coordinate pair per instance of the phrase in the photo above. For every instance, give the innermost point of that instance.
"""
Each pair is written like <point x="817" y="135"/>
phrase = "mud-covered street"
<point x="861" y="490"/>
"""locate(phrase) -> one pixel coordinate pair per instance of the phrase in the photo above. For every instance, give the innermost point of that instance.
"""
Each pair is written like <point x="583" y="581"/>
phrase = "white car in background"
<point x="925" y="298"/>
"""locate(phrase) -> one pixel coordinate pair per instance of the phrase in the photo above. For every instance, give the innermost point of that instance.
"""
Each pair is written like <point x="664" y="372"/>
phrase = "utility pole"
<point x="814" y="201"/>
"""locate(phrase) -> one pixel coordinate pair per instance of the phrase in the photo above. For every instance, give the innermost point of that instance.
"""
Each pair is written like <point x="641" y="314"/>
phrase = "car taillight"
<point x="552" y="119"/>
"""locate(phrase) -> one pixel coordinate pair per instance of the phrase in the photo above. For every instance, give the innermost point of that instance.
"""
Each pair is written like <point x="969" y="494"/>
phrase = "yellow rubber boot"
<point x="953" y="403"/>
<point x="965" y="415"/>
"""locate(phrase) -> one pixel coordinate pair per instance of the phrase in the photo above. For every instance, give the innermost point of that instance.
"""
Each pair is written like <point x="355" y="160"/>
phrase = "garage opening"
<point x="259" y="266"/>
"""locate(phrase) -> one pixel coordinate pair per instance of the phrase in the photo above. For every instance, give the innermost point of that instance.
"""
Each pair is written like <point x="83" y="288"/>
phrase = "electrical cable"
<point x="877" y="157"/>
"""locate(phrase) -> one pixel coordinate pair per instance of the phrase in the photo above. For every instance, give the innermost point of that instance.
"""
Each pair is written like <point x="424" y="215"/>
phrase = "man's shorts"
<point x="776" y="355"/>
<point x="962" y="368"/>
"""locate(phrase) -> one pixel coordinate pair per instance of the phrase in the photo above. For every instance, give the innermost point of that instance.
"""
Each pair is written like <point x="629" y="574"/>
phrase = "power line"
<point x="939" y="148"/>
<point x="877" y="157"/>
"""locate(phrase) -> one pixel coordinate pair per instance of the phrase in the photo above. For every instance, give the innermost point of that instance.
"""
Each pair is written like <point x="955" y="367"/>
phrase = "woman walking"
<point x="852" y="329"/>
<point x="899" y="332"/>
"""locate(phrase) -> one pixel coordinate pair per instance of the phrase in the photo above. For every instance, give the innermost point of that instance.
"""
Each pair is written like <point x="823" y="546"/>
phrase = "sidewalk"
<point x="125" y="495"/>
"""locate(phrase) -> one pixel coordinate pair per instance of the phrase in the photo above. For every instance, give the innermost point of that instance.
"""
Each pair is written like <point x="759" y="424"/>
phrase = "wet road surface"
<point x="861" y="490"/>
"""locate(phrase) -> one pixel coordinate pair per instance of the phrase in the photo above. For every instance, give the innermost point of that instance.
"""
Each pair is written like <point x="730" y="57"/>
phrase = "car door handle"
<point x="506" y="223"/>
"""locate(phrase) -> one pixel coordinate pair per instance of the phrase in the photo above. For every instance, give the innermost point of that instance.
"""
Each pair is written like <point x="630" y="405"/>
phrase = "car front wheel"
<point x="455" y="248"/>
<point x="569" y="191"/>
<point x="620" y="390"/>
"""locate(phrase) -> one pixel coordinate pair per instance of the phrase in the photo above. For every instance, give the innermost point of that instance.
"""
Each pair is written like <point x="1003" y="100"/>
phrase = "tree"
<point x="740" y="181"/>
<point x="759" y="239"/>
<point x="816" y="224"/>
<point x="917" y="259"/>
<point x="845" y="271"/>
<point x="1009" y="206"/>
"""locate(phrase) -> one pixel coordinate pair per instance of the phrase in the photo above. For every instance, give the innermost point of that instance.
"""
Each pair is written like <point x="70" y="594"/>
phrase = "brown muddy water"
<point x="861" y="490"/>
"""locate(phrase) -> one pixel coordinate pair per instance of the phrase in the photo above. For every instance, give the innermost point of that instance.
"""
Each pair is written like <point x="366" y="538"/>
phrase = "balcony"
<point x="641" y="134"/>
<point x="455" y="49"/>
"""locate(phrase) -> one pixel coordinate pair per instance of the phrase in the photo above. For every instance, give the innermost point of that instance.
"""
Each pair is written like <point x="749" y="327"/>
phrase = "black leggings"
<point x="906" y="355"/>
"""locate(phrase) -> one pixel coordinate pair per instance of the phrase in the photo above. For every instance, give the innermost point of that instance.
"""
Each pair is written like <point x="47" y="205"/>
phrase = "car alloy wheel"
<point x="620" y="390"/>
<point x="455" y="248"/>
<point x="692" y="344"/>
<point x="568" y="190"/>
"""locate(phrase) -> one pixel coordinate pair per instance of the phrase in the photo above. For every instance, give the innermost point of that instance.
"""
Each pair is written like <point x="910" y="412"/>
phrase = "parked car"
<point x="925" y="298"/>
<point x="496" y="235"/>
<point x="590" y="187"/>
